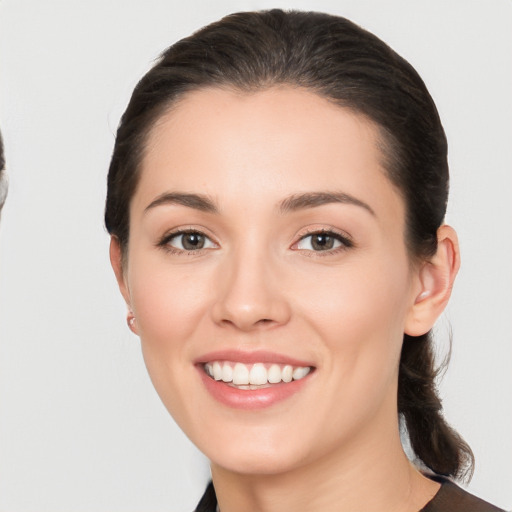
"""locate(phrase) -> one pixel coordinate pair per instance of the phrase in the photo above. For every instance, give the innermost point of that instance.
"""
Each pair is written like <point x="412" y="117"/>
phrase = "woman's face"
<point x="267" y="244"/>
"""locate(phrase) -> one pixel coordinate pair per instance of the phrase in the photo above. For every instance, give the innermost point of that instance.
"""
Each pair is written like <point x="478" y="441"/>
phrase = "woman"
<point x="276" y="200"/>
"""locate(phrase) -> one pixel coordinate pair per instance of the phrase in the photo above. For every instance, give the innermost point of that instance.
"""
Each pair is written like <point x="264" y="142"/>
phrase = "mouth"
<point x="254" y="376"/>
<point x="253" y="380"/>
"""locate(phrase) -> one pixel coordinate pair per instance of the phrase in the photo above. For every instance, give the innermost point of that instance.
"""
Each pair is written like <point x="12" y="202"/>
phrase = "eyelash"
<point x="164" y="242"/>
<point x="344" y="240"/>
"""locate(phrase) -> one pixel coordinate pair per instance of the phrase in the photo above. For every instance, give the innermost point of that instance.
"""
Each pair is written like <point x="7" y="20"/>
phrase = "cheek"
<point x="372" y="292"/>
<point x="359" y="312"/>
<point x="357" y="317"/>
<point x="166" y="301"/>
<point x="169" y="304"/>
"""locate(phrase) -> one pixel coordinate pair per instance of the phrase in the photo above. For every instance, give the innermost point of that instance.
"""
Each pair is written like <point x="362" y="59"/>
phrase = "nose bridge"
<point x="249" y="296"/>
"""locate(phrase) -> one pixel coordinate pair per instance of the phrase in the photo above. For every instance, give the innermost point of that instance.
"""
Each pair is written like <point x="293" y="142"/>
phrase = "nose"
<point x="250" y="295"/>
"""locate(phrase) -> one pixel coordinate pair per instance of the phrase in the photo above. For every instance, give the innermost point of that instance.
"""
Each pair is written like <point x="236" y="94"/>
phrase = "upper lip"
<point x="250" y="357"/>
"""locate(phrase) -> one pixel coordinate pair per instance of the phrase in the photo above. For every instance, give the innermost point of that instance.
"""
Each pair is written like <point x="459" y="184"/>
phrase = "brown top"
<point x="449" y="498"/>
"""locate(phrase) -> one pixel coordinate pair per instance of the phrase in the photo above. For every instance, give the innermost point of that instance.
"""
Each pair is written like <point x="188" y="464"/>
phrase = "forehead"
<point x="267" y="143"/>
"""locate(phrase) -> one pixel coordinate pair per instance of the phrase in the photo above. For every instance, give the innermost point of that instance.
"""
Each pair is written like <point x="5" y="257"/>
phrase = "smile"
<point x="253" y="380"/>
<point x="254" y="376"/>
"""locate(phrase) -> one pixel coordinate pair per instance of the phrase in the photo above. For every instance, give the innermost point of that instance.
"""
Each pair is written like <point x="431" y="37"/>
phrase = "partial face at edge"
<point x="264" y="229"/>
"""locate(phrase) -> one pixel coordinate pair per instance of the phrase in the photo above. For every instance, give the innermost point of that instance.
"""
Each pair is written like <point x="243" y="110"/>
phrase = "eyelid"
<point x="340" y="235"/>
<point x="346" y="240"/>
<point x="164" y="240"/>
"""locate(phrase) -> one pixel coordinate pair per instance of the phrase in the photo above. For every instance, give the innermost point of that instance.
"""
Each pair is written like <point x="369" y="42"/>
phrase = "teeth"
<point x="287" y="373"/>
<point x="256" y="375"/>
<point x="217" y="371"/>
<point x="227" y="373"/>
<point x="274" y="374"/>
<point x="240" y="374"/>
<point x="300" y="372"/>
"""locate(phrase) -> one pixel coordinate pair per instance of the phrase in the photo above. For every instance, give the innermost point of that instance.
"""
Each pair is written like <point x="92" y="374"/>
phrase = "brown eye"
<point x="190" y="241"/>
<point x="322" y="241"/>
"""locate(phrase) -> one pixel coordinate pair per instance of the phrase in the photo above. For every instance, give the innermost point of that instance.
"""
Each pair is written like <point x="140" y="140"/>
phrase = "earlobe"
<point x="435" y="277"/>
<point x="131" y="322"/>
<point x="116" y="260"/>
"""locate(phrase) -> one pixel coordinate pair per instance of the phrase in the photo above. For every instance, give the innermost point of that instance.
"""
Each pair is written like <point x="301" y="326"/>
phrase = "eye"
<point x="323" y="241"/>
<point x="188" y="241"/>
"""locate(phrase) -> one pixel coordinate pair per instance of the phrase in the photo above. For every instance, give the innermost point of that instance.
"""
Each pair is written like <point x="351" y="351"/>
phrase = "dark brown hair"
<point x="352" y="68"/>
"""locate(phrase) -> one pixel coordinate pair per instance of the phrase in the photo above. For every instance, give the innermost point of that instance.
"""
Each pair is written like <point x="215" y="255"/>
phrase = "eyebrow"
<point x="314" y="199"/>
<point x="292" y="203"/>
<point x="199" y="202"/>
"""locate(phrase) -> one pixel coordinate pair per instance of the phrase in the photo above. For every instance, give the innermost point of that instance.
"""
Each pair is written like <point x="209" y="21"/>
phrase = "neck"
<point x="371" y="474"/>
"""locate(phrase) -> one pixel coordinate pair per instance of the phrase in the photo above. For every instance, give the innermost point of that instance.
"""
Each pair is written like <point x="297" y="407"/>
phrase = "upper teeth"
<point x="256" y="374"/>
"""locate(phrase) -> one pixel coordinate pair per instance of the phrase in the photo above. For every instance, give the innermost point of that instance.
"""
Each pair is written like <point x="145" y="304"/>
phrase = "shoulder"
<point x="451" y="498"/>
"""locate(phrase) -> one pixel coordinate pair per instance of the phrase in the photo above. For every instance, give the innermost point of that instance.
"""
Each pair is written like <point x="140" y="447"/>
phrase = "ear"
<point x="435" y="282"/>
<point x="116" y="260"/>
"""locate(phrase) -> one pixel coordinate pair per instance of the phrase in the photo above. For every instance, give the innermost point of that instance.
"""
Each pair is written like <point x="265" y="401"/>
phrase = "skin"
<point x="259" y="285"/>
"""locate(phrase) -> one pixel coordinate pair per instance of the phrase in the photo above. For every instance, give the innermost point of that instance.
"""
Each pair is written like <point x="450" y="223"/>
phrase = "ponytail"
<point x="438" y="446"/>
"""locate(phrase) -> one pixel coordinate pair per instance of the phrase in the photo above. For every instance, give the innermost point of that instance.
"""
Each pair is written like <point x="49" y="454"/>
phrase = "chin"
<point x="257" y="454"/>
<point x="256" y="462"/>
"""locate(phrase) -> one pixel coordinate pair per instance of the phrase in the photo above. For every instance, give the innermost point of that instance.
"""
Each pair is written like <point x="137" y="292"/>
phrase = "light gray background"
<point x="81" y="428"/>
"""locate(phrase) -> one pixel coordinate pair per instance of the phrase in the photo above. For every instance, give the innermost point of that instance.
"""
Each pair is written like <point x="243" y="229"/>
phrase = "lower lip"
<point x="250" y="399"/>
